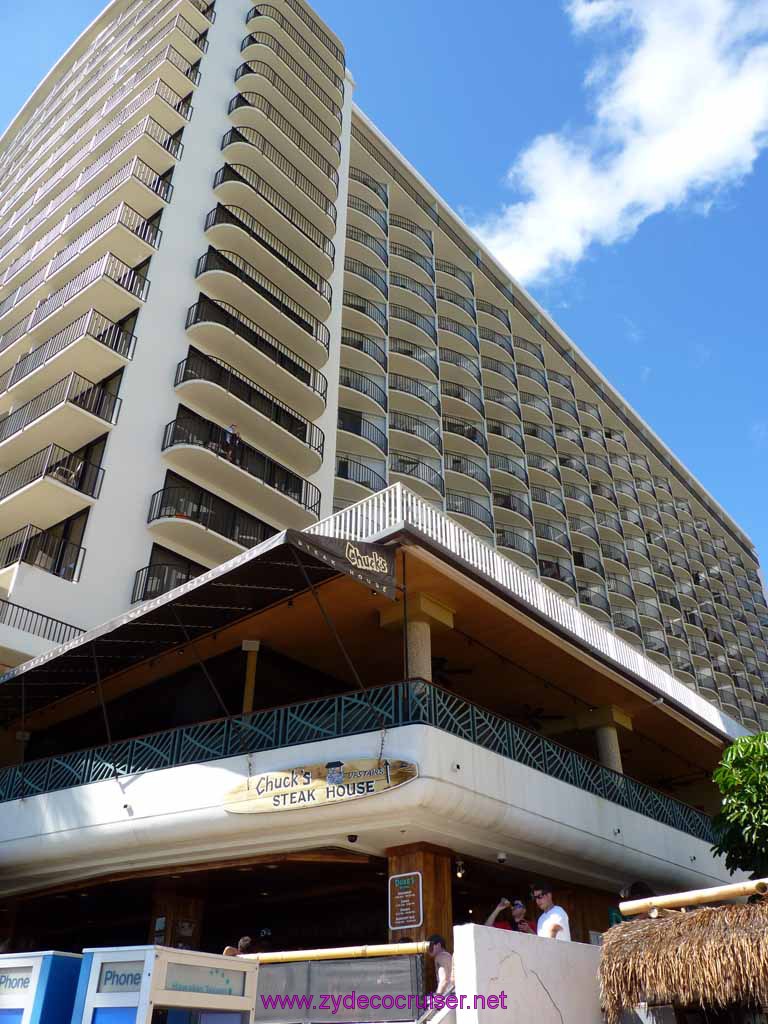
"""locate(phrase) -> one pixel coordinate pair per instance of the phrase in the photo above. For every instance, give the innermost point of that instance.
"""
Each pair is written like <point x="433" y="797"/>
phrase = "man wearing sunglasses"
<point x="553" y="923"/>
<point x="510" y="915"/>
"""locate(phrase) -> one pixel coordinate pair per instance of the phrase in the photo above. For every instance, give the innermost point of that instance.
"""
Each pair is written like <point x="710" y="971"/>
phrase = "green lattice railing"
<point x="350" y="714"/>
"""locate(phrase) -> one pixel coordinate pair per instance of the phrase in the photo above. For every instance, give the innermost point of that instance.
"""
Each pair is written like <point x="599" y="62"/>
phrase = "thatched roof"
<point x="709" y="957"/>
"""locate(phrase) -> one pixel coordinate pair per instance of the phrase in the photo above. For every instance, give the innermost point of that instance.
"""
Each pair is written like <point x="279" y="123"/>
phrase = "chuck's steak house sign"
<point x="312" y="785"/>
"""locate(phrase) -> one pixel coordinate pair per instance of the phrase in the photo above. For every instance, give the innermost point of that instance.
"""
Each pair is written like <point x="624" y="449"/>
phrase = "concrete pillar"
<point x="608" y="748"/>
<point x="251" y="647"/>
<point x="419" y="640"/>
<point x="423" y="615"/>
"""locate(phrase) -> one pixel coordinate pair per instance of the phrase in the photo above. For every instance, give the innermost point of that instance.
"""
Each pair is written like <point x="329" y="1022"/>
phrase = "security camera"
<point x="501" y="857"/>
<point x="352" y="838"/>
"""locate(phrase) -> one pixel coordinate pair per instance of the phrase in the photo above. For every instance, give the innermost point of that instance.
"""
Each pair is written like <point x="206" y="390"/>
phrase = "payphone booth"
<point x="156" y="985"/>
<point x="38" y="988"/>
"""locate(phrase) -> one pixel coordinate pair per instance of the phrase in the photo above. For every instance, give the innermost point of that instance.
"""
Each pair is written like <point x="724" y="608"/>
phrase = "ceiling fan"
<point x="441" y="673"/>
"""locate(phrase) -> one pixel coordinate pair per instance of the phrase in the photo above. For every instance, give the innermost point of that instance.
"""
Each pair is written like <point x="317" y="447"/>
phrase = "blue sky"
<point x="639" y="206"/>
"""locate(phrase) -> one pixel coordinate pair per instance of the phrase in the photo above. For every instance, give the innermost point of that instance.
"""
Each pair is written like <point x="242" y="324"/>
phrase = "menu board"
<point x="406" y="908"/>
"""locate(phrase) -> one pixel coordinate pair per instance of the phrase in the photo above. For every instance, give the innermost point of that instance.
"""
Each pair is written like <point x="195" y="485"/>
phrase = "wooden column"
<point x="434" y="863"/>
<point x="251" y="647"/>
<point x="177" y="917"/>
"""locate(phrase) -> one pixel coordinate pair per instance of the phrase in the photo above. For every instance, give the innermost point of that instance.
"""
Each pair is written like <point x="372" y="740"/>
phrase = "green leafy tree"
<point x="741" y="827"/>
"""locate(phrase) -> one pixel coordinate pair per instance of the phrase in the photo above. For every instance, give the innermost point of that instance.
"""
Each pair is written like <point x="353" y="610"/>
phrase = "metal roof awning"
<point x="285" y="565"/>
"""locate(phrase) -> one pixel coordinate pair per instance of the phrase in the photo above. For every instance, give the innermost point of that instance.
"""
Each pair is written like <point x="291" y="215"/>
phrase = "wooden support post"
<point x="177" y="918"/>
<point x="434" y="864"/>
<point x="251" y="647"/>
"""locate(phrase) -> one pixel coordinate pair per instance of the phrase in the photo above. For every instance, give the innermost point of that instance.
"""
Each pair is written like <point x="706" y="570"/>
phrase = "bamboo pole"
<point x="693" y="898"/>
<point x="340" y="953"/>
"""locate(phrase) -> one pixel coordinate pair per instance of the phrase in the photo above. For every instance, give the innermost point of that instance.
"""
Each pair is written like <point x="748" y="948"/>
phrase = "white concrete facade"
<point x="368" y="340"/>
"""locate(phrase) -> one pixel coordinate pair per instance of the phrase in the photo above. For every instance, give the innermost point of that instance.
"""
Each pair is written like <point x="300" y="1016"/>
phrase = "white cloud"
<point x="680" y="104"/>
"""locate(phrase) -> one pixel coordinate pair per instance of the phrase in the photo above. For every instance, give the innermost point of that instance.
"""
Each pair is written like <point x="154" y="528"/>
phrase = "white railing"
<point x="397" y="507"/>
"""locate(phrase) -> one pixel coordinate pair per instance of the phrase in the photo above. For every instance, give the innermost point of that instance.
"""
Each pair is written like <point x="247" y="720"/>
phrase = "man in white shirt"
<point x="553" y="923"/>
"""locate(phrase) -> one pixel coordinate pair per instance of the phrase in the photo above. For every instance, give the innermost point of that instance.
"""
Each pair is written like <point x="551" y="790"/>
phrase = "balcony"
<point x="371" y="347"/>
<point x="298" y="43"/>
<point x="420" y="354"/>
<point x="521" y="543"/>
<point x="584" y="528"/>
<point x="249" y="110"/>
<point x="627" y="623"/>
<point x="413" y="325"/>
<point x="41" y="549"/>
<point x="417" y="429"/>
<point x="415" y="291"/>
<point x="488" y="309"/>
<point x="453" y="394"/>
<point x="621" y="587"/>
<point x="594" y="597"/>
<point x="578" y="495"/>
<point x="569" y="435"/>
<point x="510" y="465"/>
<point x="470" y="511"/>
<point x="371" y="282"/>
<point x="505" y="435"/>
<point x="528" y="350"/>
<point x="548" y="468"/>
<point x="573" y="464"/>
<point x="358" y="208"/>
<point x="247" y="146"/>
<point x="15" y="620"/>
<point x="368" y="394"/>
<point x="615" y="554"/>
<point x="359" y="473"/>
<point x="460" y="302"/>
<point x="222" y="391"/>
<point x="360" y="313"/>
<point x="74" y="410"/>
<point x="588" y="563"/>
<point x="48" y="487"/>
<point x="232" y="280"/>
<point x="469" y="469"/>
<point x="558" y="571"/>
<point x="91" y="342"/>
<point x="538" y="436"/>
<point x="562" y="380"/>
<point x="423" y="475"/>
<point x="414" y="396"/>
<point x="155" y="580"/>
<point x="506" y="403"/>
<point x="503" y="370"/>
<point x="501" y="341"/>
<point x="223" y="330"/>
<point x="353" y="422"/>
<point x="551" y="534"/>
<point x="465" y="434"/>
<point x="195" y="446"/>
<point x="414" y="230"/>
<point x="458" y="273"/>
<point x="192" y="519"/>
<point x="259" y="44"/>
<point x="238" y="184"/>
<point x="368" y="242"/>
<point x="108" y="284"/>
<point x="232" y="226"/>
<point x="414" y="259"/>
<point x="459" y="330"/>
<point x="610" y="521"/>
<point x="515" y="502"/>
<point x="378" y="188"/>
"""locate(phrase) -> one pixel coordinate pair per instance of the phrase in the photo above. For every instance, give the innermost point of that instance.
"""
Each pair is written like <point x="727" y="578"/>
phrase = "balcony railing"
<point x="417" y="388"/>
<point x="73" y="388"/>
<point x="409" y="316"/>
<point x="377" y="187"/>
<point x="423" y="355"/>
<point x="467" y="429"/>
<point x="506" y="370"/>
<point x="235" y="216"/>
<point x="517" y="541"/>
<point x="504" y="341"/>
<point x="445" y="267"/>
<point x="404" y="224"/>
<point x="360" y="269"/>
<point x="209" y="511"/>
<point x="191" y="429"/>
<point x="365" y="385"/>
<point x="541" y="433"/>
<point x="373" y="310"/>
<point x="544" y="464"/>
<point x="198" y="366"/>
<point x="450" y="389"/>
<point x="418" y="469"/>
<point x="357" y="472"/>
<point x="506" y="399"/>
<point x="372" y="347"/>
<point x="554" y="534"/>
<point x="250" y="137"/>
<point x="627" y="622"/>
<point x="558" y="569"/>
<point x="255" y="101"/>
<point x="496" y="311"/>
<point x="469" y="335"/>
<point x="352" y="422"/>
<point x="274" y="14"/>
<point x="456" y="463"/>
<point x="466" y="505"/>
<point x="376" y="245"/>
<point x="370" y="211"/>
<point x="390" y="707"/>
<point x="448" y="295"/>
<point x="531" y="347"/>
<point x="509" y="431"/>
<point x="29" y="621"/>
<point x="513" y="501"/>
<point x="408" y="284"/>
<point x="594" y="597"/>
<point x="404" y="252"/>
<point x="206" y="311"/>
<point x="44" y="550"/>
<point x="243" y="175"/>
<point x="586" y="527"/>
<point x="281" y="86"/>
<point x="55" y="463"/>
<point x="90" y="325"/>
<point x="418" y="427"/>
<point x="154" y="580"/>
<point x="265" y="39"/>
<point x="508" y="464"/>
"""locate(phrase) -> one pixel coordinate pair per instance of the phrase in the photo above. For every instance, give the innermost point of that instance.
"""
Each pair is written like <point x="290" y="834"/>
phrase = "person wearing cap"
<point x="509" y="915"/>
<point x="553" y="923"/>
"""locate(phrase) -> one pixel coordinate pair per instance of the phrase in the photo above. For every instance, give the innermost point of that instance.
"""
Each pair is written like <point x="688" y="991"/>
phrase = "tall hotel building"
<point x="229" y="306"/>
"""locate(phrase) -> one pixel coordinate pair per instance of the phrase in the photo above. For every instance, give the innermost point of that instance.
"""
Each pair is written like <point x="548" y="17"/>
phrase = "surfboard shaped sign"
<point x="313" y="785"/>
